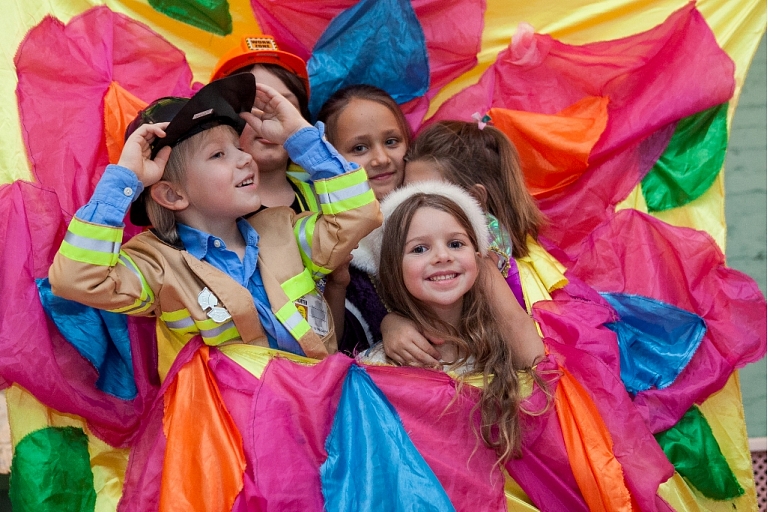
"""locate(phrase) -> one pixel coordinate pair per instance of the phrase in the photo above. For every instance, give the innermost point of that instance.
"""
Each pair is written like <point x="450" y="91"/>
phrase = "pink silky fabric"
<point x="64" y="73"/>
<point x="444" y="435"/>
<point x="636" y="253"/>
<point x="62" y="379"/>
<point x="646" y="78"/>
<point x="284" y="418"/>
<point x="588" y="350"/>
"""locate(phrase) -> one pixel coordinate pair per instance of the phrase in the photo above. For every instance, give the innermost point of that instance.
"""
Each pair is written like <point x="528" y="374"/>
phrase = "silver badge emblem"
<point x="208" y="301"/>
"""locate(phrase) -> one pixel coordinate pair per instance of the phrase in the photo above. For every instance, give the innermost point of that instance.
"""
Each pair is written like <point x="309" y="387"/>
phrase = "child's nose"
<point x="442" y="254"/>
<point x="380" y="157"/>
<point x="245" y="158"/>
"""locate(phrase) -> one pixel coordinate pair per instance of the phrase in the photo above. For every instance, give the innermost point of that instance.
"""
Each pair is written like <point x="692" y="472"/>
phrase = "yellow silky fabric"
<point x="540" y="274"/>
<point x="255" y="358"/>
<point x="108" y="464"/>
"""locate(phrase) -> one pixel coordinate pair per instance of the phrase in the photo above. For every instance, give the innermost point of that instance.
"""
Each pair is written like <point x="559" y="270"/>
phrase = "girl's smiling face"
<point x="439" y="262"/>
<point x="369" y="134"/>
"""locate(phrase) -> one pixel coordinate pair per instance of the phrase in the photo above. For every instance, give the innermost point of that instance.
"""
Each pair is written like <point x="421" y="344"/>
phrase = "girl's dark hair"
<point x="467" y="155"/>
<point x="332" y="108"/>
<point x="476" y="336"/>
<point x="291" y="81"/>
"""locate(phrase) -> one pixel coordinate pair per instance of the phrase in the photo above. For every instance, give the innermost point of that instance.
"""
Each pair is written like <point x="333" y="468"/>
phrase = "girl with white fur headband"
<point x="432" y="248"/>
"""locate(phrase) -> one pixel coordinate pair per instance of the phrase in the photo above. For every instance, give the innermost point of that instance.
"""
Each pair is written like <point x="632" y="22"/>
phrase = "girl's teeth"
<point x="442" y="278"/>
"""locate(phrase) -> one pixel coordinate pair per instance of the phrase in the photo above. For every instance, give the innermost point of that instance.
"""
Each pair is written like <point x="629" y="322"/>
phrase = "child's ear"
<point x="480" y="193"/>
<point x="169" y="195"/>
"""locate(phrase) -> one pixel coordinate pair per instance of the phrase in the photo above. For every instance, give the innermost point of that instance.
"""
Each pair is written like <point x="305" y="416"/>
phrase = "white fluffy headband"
<point x="366" y="256"/>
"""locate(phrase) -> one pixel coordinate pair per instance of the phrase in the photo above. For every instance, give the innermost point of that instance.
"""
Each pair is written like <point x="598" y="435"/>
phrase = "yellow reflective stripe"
<point x="101" y="259"/>
<point x="95" y="231"/>
<point x="214" y="333"/>
<point x="349" y="203"/>
<point x="290" y="317"/>
<point x="303" y="231"/>
<point x="301" y="180"/>
<point x="299" y="285"/>
<point x="147" y="297"/>
<point x="93" y="244"/>
<point x="340" y="182"/>
<point x="309" y="196"/>
<point x="179" y="321"/>
<point x="344" y="192"/>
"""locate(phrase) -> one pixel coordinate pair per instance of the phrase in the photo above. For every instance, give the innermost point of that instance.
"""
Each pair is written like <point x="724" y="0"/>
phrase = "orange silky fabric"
<point x="202" y="443"/>
<point x="590" y="449"/>
<point x="554" y="149"/>
<point x="120" y="108"/>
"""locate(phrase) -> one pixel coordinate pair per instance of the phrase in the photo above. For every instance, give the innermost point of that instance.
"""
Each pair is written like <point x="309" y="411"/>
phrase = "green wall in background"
<point x="745" y="213"/>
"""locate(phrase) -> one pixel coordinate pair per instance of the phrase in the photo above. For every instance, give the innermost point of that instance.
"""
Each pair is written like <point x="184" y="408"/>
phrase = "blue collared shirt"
<point x="119" y="187"/>
<point x="213" y="250"/>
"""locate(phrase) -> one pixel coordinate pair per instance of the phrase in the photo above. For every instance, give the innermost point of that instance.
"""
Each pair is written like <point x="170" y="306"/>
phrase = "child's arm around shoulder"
<point x="91" y="267"/>
<point x="348" y="207"/>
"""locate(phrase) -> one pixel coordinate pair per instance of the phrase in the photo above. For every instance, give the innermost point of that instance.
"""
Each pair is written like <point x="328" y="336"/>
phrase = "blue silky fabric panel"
<point x="100" y="337"/>
<point x="656" y="340"/>
<point x="376" y="42"/>
<point x="372" y="463"/>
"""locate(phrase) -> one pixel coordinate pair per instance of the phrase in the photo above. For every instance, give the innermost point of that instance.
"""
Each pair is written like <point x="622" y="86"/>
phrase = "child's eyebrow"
<point x="359" y="138"/>
<point x="416" y="239"/>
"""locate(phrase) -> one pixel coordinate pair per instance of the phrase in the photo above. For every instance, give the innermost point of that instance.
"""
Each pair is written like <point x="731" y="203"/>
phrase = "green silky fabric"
<point x="51" y="471"/>
<point x="691" y="162"/>
<point x="692" y="448"/>
<point x="210" y="15"/>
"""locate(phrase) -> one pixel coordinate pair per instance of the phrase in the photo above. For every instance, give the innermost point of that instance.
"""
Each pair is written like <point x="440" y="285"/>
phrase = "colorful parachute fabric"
<point x="644" y="323"/>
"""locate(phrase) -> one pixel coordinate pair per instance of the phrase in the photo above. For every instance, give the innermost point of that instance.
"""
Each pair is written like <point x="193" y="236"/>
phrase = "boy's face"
<point x="220" y="181"/>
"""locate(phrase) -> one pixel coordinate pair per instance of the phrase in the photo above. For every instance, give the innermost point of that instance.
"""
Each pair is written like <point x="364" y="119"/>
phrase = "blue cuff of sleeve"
<point x="116" y="190"/>
<point x="309" y="149"/>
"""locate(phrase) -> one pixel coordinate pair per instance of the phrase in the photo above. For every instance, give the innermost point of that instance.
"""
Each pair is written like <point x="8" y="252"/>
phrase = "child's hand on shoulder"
<point x="273" y="116"/>
<point x="137" y="154"/>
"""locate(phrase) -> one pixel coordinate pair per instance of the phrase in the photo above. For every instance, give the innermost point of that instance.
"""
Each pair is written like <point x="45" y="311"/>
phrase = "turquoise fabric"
<point x="656" y="340"/>
<point x="100" y="337"/>
<point x="376" y="42"/>
<point x="372" y="464"/>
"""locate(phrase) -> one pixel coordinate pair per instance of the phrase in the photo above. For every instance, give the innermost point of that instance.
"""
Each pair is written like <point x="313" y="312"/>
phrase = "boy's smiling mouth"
<point x="245" y="183"/>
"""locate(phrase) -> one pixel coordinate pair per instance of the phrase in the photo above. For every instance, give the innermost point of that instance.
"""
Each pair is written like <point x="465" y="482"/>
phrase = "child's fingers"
<point x="253" y="118"/>
<point x="418" y="357"/>
<point x="150" y="131"/>
<point x="162" y="157"/>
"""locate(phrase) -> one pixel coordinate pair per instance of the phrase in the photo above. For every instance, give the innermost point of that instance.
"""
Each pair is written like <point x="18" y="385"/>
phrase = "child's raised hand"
<point x="273" y="116"/>
<point x="137" y="153"/>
